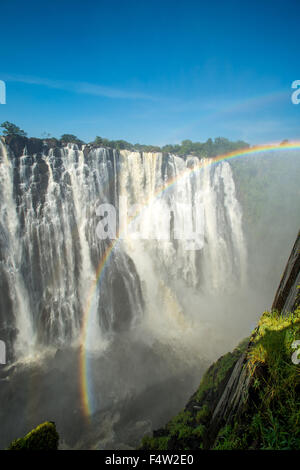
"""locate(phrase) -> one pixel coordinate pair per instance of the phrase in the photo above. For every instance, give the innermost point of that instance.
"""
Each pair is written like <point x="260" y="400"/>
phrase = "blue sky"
<point x="152" y="71"/>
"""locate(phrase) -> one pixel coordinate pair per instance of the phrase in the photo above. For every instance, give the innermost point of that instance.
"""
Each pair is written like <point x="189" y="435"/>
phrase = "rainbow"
<point x="84" y="375"/>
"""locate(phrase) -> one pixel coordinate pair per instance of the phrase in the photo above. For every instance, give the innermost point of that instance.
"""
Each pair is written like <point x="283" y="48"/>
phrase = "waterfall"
<point x="14" y="303"/>
<point x="50" y="251"/>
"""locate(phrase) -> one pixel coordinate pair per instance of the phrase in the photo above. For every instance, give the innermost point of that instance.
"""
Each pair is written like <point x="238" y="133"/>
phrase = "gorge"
<point x="96" y="329"/>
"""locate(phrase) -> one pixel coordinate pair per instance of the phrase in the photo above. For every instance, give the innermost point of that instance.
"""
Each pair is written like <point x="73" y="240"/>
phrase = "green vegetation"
<point x="229" y="438"/>
<point x="271" y="416"/>
<point x="275" y="422"/>
<point x="44" y="437"/>
<point x="218" y="372"/>
<point x="271" y="420"/>
<point x="158" y="443"/>
<point x="70" y="139"/>
<point x="178" y="434"/>
<point x="189" y="429"/>
<point x="210" y="148"/>
<point x="123" y="145"/>
<point x="203" y="415"/>
<point x="12" y="130"/>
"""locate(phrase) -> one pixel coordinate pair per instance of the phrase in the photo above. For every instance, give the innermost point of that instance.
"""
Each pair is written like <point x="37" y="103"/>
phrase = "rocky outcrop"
<point x="31" y="145"/>
<point x="287" y="297"/>
<point x="233" y="398"/>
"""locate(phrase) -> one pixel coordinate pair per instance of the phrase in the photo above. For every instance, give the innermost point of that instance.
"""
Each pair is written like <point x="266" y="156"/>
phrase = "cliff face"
<point x="250" y="398"/>
<point x="287" y="297"/>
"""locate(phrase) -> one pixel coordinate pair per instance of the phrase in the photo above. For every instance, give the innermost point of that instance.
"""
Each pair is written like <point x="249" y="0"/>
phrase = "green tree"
<point x="208" y="147"/>
<point x="98" y="140"/>
<point x="69" y="138"/>
<point x="186" y="146"/>
<point x="12" y="129"/>
<point x="102" y="142"/>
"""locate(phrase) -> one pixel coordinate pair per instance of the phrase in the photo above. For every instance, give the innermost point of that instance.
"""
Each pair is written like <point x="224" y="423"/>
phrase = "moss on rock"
<point x="43" y="437"/>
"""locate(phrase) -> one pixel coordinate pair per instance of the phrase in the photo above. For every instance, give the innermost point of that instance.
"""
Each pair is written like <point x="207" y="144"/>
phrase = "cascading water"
<point x="14" y="310"/>
<point x="163" y="286"/>
<point x="165" y="264"/>
<point x="50" y="249"/>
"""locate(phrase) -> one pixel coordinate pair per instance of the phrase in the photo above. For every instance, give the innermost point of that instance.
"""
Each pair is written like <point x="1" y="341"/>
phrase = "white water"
<point x="160" y="286"/>
<point x="11" y="258"/>
<point x="186" y="291"/>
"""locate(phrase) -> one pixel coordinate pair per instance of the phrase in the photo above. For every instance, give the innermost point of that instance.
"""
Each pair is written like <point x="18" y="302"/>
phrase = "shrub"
<point x="44" y="437"/>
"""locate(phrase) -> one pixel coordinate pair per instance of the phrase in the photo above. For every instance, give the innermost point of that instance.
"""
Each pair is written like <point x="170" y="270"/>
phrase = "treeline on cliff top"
<point x="210" y="148"/>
